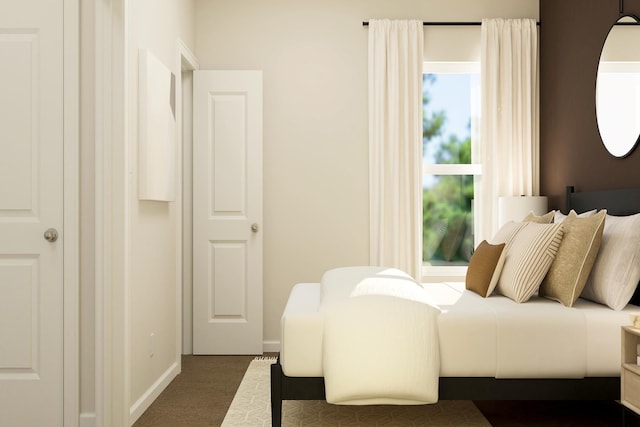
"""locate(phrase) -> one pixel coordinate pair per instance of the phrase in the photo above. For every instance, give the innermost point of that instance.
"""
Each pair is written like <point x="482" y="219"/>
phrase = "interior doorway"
<point x="188" y="63"/>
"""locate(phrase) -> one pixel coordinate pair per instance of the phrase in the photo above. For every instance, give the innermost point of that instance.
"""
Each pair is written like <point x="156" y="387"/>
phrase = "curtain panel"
<point x="395" y="144"/>
<point x="509" y="120"/>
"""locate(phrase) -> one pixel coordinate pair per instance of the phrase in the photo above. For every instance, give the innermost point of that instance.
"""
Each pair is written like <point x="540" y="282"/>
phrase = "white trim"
<point x="451" y="67"/>
<point x="87" y="419"/>
<point x="152" y="393"/>
<point x="119" y="216"/>
<point x="102" y="20"/>
<point x="187" y="62"/>
<point x="111" y="386"/>
<point x="71" y="223"/>
<point x="451" y="169"/>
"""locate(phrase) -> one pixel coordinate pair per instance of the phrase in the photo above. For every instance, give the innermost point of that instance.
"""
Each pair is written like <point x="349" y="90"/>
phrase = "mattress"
<point x="482" y="337"/>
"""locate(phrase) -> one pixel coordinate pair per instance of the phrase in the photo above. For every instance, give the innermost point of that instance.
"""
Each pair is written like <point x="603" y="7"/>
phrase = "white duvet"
<point x="478" y="337"/>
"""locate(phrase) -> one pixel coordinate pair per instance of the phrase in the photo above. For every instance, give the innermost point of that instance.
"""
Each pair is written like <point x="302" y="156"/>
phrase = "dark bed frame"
<point x="617" y="202"/>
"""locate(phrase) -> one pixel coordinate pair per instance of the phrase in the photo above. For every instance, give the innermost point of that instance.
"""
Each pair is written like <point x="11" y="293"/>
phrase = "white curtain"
<point x="395" y="144"/>
<point x="509" y="121"/>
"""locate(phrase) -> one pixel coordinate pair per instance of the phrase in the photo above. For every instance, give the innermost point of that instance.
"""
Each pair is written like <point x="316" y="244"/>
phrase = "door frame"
<point x="71" y="212"/>
<point x="187" y="63"/>
<point x="111" y="387"/>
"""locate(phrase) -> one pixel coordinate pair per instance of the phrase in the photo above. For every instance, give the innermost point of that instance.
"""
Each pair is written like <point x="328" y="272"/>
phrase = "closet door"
<point x="31" y="213"/>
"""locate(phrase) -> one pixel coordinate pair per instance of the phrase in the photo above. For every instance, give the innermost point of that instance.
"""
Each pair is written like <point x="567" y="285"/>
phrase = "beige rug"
<point x="251" y="407"/>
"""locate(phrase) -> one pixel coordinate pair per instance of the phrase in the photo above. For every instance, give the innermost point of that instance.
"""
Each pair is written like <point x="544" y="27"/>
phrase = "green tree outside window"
<point x="446" y="202"/>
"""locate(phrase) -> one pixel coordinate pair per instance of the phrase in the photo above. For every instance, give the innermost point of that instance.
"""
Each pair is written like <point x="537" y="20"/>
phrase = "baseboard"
<point x="267" y="347"/>
<point x="271" y="346"/>
<point x="152" y="393"/>
<point x="87" y="419"/>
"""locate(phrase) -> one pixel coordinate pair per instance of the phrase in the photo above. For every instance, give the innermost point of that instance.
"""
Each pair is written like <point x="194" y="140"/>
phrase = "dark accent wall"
<point x="572" y="33"/>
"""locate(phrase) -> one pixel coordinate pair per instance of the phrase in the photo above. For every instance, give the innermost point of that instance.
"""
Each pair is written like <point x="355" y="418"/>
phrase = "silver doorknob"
<point x="51" y="235"/>
<point x="254" y="227"/>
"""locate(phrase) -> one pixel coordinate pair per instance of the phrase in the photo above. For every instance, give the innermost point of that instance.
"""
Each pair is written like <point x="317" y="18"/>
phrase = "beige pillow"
<point x="616" y="270"/>
<point x="570" y="269"/>
<point x="484" y="268"/>
<point x="541" y="219"/>
<point x="529" y="256"/>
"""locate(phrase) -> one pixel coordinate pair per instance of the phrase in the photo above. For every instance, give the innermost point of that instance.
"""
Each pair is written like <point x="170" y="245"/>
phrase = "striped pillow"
<point x="529" y="255"/>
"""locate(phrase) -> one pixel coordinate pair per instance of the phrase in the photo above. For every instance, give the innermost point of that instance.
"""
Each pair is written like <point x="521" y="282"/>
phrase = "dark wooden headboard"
<point x="616" y="202"/>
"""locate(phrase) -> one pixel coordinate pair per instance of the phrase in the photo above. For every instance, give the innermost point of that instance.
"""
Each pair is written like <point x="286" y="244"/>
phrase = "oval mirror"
<point x="618" y="88"/>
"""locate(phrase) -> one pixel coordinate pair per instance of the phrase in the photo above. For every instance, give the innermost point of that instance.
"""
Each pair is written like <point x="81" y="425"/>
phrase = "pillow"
<point x="570" y="269"/>
<point x="507" y="232"/>
<point x="529" y="256"/>
<point x="541" y="219"/>
<point x="484" y="268"/>
<point x="616" y="270"/>
<point x="558" y="217"/>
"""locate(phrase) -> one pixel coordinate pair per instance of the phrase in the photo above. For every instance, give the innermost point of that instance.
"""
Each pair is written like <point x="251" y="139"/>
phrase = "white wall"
<point x="152" y="235"/>
<point x="314" y="59"/>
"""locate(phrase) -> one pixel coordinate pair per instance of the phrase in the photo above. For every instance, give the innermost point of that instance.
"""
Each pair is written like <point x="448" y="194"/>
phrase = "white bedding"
<point x="540" y="338"/>
<point x="489" y="337"/>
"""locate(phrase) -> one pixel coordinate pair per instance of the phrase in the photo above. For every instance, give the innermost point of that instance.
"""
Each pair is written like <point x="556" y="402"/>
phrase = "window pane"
<point x="446" y="101"/>
<point x="450" y="107"/>
<point x="447" y="219"/>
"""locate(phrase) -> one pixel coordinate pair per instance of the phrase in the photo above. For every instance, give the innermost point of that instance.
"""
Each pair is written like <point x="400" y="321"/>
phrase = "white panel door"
<point x="31" y="201"/>
<point x="227" y="212"/>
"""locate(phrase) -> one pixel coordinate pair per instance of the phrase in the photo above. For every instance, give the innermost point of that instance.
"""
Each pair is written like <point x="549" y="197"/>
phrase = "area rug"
<point x="251" y="407"/>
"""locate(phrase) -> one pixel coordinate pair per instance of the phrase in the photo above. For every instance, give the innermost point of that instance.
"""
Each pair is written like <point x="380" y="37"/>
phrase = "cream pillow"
<point x="570" y="269"/>
<point x="529" y="256"/>
<point x="542" y="219"/>
<point x="616" y="271"/>
<point x="507" y="232"/>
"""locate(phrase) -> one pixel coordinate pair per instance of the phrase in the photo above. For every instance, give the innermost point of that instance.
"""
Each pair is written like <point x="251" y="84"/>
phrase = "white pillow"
<point x="616" y="271"/>
<point x="529" y="254"/>
<point x="558" y="216"/>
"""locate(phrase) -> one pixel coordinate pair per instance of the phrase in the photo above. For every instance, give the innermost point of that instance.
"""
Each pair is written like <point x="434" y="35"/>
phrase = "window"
<point x="451" y="173"/>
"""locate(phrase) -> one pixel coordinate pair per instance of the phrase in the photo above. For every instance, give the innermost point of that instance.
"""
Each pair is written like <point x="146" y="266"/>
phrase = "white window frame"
<point x="431" y="273"/>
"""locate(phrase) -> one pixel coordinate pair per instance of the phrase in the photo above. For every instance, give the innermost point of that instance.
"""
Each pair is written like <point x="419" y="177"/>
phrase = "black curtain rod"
<point x="443" y="24"/>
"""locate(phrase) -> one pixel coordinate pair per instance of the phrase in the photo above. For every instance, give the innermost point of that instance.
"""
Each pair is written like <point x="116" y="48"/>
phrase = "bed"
<point x="594" y="376"/>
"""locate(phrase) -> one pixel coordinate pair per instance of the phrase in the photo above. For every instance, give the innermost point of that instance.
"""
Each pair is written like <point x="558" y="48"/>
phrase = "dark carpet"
<point x="202" y="393"/>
